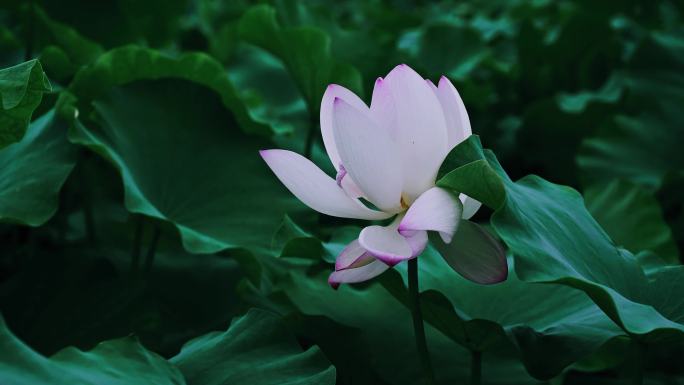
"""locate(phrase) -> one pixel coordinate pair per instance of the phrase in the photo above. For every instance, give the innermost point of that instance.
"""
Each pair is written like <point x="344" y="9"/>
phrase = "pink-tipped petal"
<point x="432" y="86"/>
<point x="470" y="206"/>
<point x="333" y="92"/>
<point x="358" y="274"/>
<point x="458" y="123"/>
<point x="418" y="242"/>
<point x="383" y="109"/>
<point x="436" y="209"/>
<point x="404" y="104"/>
<point x="314" y="188"/>
<point x="368" y="155"/>
<point x="386" y="244"/>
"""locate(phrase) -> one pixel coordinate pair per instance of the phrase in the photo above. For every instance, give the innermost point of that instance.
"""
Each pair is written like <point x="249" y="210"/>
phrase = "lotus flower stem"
<point x="418" y="327"/>
<point x="475" y="367"/>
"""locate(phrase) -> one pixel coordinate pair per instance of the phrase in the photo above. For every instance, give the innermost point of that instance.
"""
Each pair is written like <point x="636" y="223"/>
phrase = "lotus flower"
<point x="387" y="155"/>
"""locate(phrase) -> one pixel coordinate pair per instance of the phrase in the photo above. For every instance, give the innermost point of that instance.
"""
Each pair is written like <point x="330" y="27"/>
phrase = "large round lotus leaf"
<point x="632" y="217"/>
<point x="554" y="239"/>
<point x="257" y="349"/>
<point x="183" y="159"/>
<point x="552" y="326"/>
<point x="117" y="362"/>
<point x="386" y="328"/>
<point x="128" y="64"/>
<point x="542" y="223"/>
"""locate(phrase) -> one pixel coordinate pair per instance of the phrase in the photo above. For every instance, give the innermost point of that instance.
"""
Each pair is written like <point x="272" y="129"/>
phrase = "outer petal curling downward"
<point x="313" y="187"/>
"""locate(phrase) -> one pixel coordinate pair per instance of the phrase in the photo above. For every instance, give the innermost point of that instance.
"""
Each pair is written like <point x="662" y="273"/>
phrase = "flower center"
<point x="403" y="203"/>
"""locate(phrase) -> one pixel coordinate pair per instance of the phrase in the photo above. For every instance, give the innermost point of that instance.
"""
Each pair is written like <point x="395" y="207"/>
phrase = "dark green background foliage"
<point x="143" y="240"/>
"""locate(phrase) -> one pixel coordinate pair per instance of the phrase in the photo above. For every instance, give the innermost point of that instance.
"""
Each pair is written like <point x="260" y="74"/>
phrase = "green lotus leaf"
<point x="551" y="326"/>
<point x="466" y="170"/>
<point x="305" y="52"/>
<point x="632" y="217"/>
<point x="118" y="362"/>
<point x="554" y="239"/>
<point x="385" y="328"/>
<point x="642" y="149"/>
<point x="21" y="90"/>
<point x="541" y="223"/>
<point x="124" y="65"/>
<point x="184" y="160"/>
<point x="33" y="171"/>
<point x="256" y="349"/>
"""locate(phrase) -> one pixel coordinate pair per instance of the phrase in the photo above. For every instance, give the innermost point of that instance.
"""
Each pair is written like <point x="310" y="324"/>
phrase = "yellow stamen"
<point x="403" y="203"/>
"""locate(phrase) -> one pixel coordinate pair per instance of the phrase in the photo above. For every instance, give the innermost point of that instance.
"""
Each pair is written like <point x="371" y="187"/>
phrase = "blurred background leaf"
<point x="33" y="170"/>
<point x="21" y="90"/>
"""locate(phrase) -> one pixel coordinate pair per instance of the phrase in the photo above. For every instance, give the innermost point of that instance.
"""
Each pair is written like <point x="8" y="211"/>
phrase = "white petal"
<point x="383" y="109"/>
<point x="418" y="241"/>
<point x="470" y="206"/>
<point x="349" y="255"/>
<point x="314" y="188"/>
<point x="458" y="123"/>
<point x="386" y="244"/>
<point x="335" y="91"/>
<point x="351" y="188"/>
<point x="358" y="274"/>
<point x="436" y="209"/>
<point x="404" y="103"/>
<point x="369" y="155"/>
<point x="345" y="181"/>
